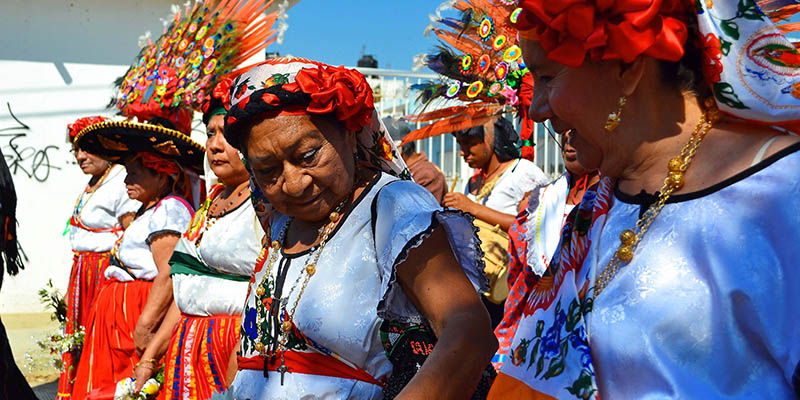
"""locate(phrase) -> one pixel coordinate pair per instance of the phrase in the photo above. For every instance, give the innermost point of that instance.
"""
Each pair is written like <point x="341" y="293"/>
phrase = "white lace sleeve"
<point x="404" y="214"/>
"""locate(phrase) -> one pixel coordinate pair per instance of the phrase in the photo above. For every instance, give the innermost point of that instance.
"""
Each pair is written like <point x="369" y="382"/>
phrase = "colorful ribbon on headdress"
<point x="80" y="124"/>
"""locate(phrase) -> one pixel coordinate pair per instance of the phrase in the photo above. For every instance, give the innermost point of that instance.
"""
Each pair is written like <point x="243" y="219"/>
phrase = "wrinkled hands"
<point x="458" y="201"/>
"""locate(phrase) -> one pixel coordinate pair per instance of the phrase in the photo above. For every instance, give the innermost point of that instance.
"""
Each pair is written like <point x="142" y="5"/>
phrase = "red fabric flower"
<point x="606" y="29"/>
<point x="158" y="164"/>
<point x="223" y="92"/>
<point x="82" y="123"/>
<point x="712" y="58"/>
<point x="340" y="90"/>
<point x="243" y="103"/>
<point x="271" y="99"/>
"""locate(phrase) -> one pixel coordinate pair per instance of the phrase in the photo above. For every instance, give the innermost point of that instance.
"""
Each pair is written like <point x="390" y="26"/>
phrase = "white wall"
<point x="58" y="59"/>
<point x="45" y="174"/>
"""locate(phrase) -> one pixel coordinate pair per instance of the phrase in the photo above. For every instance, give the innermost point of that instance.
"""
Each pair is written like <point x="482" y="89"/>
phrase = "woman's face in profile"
<point x="304" y="165"/>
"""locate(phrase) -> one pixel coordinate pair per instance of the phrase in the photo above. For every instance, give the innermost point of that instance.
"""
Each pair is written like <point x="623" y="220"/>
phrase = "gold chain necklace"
<point x="677" y="166"/>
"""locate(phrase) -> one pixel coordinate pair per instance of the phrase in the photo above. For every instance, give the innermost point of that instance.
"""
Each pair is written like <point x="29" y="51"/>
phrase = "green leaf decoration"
<point x="540" y="365"/>
<point x="725" y="46"/>
<point x="534" y="352"/>
<point x="539" y="328"/>
<point x="582" y="387"/>
<point x="730" y="28"/>
<point x="555" y="369"/>
<point x="749" y="10"/>
<point x="724" y="93"/>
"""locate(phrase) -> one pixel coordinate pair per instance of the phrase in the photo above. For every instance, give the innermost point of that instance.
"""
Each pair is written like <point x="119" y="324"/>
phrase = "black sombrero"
<point x="117" y="140"/>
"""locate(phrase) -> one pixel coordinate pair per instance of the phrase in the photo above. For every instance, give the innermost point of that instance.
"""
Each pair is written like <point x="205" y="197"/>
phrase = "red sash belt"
<point x="77" y="222"/>
<point x="311" y="364"/>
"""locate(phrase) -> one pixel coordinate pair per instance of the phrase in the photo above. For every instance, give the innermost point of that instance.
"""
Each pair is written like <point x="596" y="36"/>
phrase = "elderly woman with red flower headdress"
<point x="160" y="163"/>
<point x="676" y="276"/>
<point x="103" y="210"/>
<point x="366" y="277"/>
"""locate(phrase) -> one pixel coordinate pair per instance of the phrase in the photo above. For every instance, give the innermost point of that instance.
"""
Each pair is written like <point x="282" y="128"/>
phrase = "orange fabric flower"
<point x="387" y="149"/>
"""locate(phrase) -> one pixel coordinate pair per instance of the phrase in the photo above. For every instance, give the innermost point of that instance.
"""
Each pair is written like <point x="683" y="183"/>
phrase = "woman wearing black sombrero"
<point x="162" y="165"/>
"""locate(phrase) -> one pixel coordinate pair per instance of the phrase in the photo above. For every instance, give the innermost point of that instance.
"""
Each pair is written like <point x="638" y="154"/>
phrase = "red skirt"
<point x="85" y="282"/>
<point x="108" y="354"/>
<point x="197" y="356"/>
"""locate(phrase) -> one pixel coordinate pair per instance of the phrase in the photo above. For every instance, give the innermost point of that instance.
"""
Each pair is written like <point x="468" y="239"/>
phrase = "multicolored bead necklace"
<point x="281" y="344"/>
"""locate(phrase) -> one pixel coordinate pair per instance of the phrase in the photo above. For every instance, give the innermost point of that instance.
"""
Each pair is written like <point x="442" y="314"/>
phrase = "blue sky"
<point x="334" y="31"/>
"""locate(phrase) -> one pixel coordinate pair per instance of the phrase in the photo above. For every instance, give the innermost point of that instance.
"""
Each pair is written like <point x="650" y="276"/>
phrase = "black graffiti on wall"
<point x="31" y="161"/>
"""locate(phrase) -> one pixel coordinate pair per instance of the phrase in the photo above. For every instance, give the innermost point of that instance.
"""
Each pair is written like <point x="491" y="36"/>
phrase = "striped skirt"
<point x="198" y="355"/>
<point x="85" y="281"/>
<point x="108" y="354"/>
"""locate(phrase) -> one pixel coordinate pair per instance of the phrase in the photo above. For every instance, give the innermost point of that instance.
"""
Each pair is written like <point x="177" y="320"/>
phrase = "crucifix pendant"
<point x="282" y="369"/>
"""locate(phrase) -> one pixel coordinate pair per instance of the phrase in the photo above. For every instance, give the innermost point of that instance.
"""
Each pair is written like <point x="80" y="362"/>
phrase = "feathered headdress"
<point x="479" y="60"/>
<point x="202" y="43"/>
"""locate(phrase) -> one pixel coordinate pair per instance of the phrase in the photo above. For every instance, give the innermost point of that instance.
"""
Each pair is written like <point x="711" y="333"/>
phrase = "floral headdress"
<point x="480" y="64"/>
<point x="79" y="124"/>
<point x="202" y="44"/>
<point x="297" y="86"/>
<point x="751" y="68"/>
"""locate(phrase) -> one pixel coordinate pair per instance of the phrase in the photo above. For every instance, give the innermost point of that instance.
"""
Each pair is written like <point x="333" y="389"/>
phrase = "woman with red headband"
<point x="160" y="162"/>
<point x="103" y="210"/>
<point x="676" y="276"/>
<point x="366" y="277"/>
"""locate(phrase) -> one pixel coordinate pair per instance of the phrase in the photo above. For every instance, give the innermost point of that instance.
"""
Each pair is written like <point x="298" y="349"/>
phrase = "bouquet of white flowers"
<point x="126" y="390"/>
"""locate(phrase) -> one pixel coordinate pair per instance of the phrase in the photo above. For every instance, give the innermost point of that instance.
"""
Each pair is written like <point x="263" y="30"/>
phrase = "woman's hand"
<point x="458" y="201"/>
<point x="142" y="373"/>
<point x="434" y="281"/>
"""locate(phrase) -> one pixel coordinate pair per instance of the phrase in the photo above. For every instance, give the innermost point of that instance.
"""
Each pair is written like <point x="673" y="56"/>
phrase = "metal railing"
<point x="395" y="97"/>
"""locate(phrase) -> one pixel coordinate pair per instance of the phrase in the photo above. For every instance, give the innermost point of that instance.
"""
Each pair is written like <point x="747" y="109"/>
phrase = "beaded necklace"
<point x="209" y="219"/>
<point x="80" y="204"/>
<point x="677" y="166"/>
<point x="278" y="347"/>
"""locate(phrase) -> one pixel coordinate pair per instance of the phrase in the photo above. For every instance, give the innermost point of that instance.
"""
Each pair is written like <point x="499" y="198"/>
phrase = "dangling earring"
<point x="613" y="120"/>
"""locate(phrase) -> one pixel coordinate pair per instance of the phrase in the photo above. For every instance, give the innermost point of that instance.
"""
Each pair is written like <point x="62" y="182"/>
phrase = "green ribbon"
<point x="183" y="263"/>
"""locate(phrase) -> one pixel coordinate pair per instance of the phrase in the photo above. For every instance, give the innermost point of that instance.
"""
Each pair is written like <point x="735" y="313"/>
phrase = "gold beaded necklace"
<point x="310" y="269"/>
<point x="677" y="166"/>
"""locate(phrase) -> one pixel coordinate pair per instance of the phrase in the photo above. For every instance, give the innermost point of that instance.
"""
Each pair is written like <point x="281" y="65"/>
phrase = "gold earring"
<point x="613" y="120"/>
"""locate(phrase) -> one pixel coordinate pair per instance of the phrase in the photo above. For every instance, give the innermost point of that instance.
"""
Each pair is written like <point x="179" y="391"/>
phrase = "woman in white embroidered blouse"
<point x="355" y="253"/>
<point x="103" y="210"/>
<point x="139" y="265"/>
